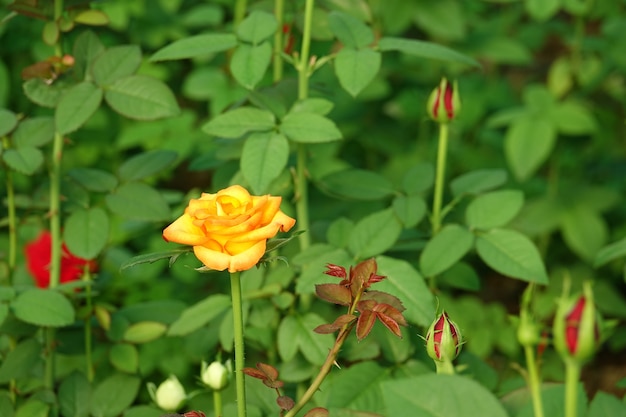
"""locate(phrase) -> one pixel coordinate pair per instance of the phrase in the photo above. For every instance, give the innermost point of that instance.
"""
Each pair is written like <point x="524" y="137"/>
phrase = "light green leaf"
<point x="115" y="63"/>
<point x="528" y="143"/>
<point x="263" y="158"/>
<point x="295" y="333"/>
<point x="356" y="388"/>
<point x="76" y="106"/>
<point x="445" y="249"/>
<point x="358" y="184"/>
<point x="146" y="164"/>
<point x="422" y="395"/>
<point x="142" y="98"/>
<point x="350" y="31"/>
<point x="604" y="404"/>
<point x="572" y="118"/>
<point x="512" y="254"/>
<point x="418" y="178"/>
<point x="113" y="395"/>
<point x="249" y="63"/>
<point x="144" y="331"/>
<point x="43" y="94"/>
<point x="257" y="27"/>
<point x="425" y="50"/>
<point x="33" y="408"/>
<point x="478" y="181"/>
<point x="374" y="234"/>
<point x="610" y="252"/>
<point x="315" y="105"/>
<point x="86" y="48"/>
<point x="584" y="231"/>
<point x="86" y="232"/>
<point x="8" y="121"/>
<point x="309" y="128"/>
<point x="138" y="201"/>
<point x="26" y="160"/>
<point x="124" y="357"/>
<point x="196" y="46"/>
<point x="403" y="281"/>
<point x="356" y="68"/>
<point x="494" y="209"/>
<point x="409" y="209"/>
<point x="236" y="123"/>
<point x="542" y="9"/>
<point x="93" y="179"/>
<point x="199" y="314"/>
<point x="36" y="131"/>
<point x="46" y="308"/>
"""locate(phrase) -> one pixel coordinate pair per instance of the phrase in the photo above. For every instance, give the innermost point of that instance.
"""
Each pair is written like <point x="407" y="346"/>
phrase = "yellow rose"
<point x="229" y="229"/>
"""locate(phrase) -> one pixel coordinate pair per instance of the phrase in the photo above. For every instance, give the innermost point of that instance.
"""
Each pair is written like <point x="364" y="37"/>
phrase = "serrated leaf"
<point x="236" y="123"/>
<point x="356" y="69"/>
<point x="249" y="63"/>
<point x="43" y="94"/>
<point x="46" y="308"/>
<point x="445" y="249"/>
<point x="138" y="201"/>
<point x="199" y="314"/>
<point x="146" y="164"/>
<point x="257" y="27"/>
<point x="142" y="98"/>
<point x="115" y="63"/>
<point x="263" y="158"/>
<point x="309" y="128"/>
<point x="494" y="209"/>
<point x="374" y="234"/>
<point x="196" y="46"/>
<point x="528" y="143"/>
<point x="149" y="258"/>
<point x="26" y="160"/>
<point x="512" y="254"/>
<point x="86" y="232"/>
<point x="350" y="31"/>
<point x="76" y="106"/>
<point x="425" y="50"/>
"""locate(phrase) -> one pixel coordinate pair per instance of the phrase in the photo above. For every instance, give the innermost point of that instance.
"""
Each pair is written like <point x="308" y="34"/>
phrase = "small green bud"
<point x="444" y="102"/>
<point x="443" y="340"/>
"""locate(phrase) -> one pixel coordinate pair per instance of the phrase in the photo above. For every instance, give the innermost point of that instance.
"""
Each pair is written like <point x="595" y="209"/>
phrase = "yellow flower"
<point x="229" y="230"/>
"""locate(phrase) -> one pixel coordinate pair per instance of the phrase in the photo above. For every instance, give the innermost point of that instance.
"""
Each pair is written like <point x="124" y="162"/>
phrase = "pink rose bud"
<point x="444" y="103"/>
<point x="443" y="340"/>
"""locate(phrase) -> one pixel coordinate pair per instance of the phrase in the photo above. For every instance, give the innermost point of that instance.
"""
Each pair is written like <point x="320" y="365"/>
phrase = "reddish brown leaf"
<point x="365" y="323"/>
<point x="361" y="274"/>
<point x="336" y="325"/>
<point x="273" y="383"/>
<point x="383" y="297"/>
<point x="390" y="324"/>
<point x="392" y="313"/>
<point x="317" y="412"/>
<point x="285" y="403"/>
<point x="194" y="414"/>
<point x="366" y="305"/>
<point x="268" y="370"/>
<point x="335" y="271"/>
<point x="325" y="329"/>
<point x="254" y="373"/>
<point x="334" y="293"/>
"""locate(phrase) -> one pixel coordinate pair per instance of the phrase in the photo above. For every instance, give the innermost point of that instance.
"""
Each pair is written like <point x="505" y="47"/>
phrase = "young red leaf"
<point x="391" y="312"/>
<point x="361" y="274"/>
<point x="390" y="323"/>
<point x="334" y="293"/>
<point x="384" y="298"/>
<point x="364" y="324"/>
<point x="336" y="325"/>
<point x="317" y="412"/>
<point x="285" y="403"/>
<point x="335" y="271"/>
<point x="254" y="373"/>
<point x="268" y="370"/>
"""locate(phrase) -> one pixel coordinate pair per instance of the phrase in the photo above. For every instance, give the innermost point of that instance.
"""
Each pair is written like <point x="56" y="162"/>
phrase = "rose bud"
<point x="577" y="327"/>
<point x="215" y="375"/>
<point x="444" y="102"/>
<point x="443" y="340"/>
<point x="170" y="395"/>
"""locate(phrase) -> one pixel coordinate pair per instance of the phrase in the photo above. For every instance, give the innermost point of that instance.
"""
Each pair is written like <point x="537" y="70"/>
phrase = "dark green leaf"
<point x="76" y="106"/>
<point x="8" y="121"/>
<point x="356" y="68"/>
<point x="263" y="158"/>
<point x="374" y="234"/>
<point x="236" y="123"/>
<point x="357" y="184"/>
<point x="584" y="231"/>
<point x="115" y="63"/>
<point x="494" y="209"/>
<point x="86" y="232"/>
<point x="418" y="178"/>
<point x="124" y="357"/>
<point x="196" y="46"/>
<point x="350" y="31"/>
<point x="528" y="143"/>
<point x="309" y="128"/>
<point x="146" y="164"/>
<point x="138" y="201"/>
<point x="46" y="308"/>
<point x="26" y="160"/>
<point x="19" y="362"/>
<point x="199" y="314"/>
<point x="249" y="63"/>
<point x="114" y="395"/>
<point x="86" y="48"/>
<point x="257" y="27"/>
<point x="445" y="249"/>
<point x="93" y="179"/>
<point x="142" y="98"/>
<point x="610" y="252"/>
<point x="75" y="395"/>
<point x="36" y="131"/>
<point x="409" y="209"/>
<point x="425" y="50"/>
<point x="476" y="182"/>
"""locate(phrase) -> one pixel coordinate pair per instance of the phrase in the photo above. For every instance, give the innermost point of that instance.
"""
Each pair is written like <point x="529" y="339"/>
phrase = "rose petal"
<point x="184" y="231"/>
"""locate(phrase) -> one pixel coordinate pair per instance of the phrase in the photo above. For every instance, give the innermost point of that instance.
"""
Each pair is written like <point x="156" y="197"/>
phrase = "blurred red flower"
<point x="38" y="261"/>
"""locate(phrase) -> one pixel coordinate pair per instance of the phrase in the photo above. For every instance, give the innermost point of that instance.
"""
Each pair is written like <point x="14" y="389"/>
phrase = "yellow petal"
<point x="184" y="231"/>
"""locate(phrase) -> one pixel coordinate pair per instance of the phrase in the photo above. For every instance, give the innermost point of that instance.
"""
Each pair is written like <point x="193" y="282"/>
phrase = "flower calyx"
<point x="443" y="339"/>
<point x="444" y="102"/>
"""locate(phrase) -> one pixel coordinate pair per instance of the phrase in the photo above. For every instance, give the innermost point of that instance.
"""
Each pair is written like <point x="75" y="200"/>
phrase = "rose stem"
<point x="235" y="287"/>
<point x="88" y="298"/>
<point x="279" y="6"/>
<point x="572" y="376"/>
<point x="240" y="12"/>
<point x="439" y="181"/>
<point x="533" y="380"/>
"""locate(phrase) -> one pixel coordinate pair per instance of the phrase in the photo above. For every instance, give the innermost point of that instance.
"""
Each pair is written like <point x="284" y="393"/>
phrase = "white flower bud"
<point x="170" y="395"/>
<point x="215" y="375"/>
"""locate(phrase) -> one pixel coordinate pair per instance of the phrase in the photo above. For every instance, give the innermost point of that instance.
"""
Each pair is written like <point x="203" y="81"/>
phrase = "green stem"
<point x="88" y="342"/>
<point x="240" y="12"/>
<point x="440" y="177"/>
<point x="534" y="381"/>
<point x="235" y="287"/>
<point x="279" y="6"/>
<point x="217" y="403"/>
<point x="12" y="216"/>
<point x="445" y="367"/>
<point x="572" y="376"/>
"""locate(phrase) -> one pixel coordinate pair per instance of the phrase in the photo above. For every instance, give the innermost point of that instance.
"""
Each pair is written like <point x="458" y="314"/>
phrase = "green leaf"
<point x="86" y="48"/>
<point x="418" y="178"/>
<point x="199" y="314"/>
<point x="249" y="63"/>
<point x="409" y="209"/>
<point x="528" y="143"/>
<point x="196" y="46"/>
<point x="236" y="123"/>
<point x="36" y="131"/>
<point x="572" y="118"/>
<point x="26" y="160"/>
<point x="584" y="231"/>
<point x="257" y="27"/>
<point x="43" y="94"/>
<point x="144" y="331"/>
<point x="113" y="395"/>
<point x="295" y="333"/>
<point x="494" y="209"/>
<point x="512" y="254"/>
<point x="610" y="252"/>
<point x="315" y="105"/>
<point x="138" y="201"/>
<point x="6" y="403"/>
<point x="115" y="63"/>
<point x="309" y="128"/>
<point x="425" y="50"/>
<point x="142" y="98"/>
<point x="358" y="184"/>
<point x="76" y="106"/>
<point x="33" y="408"/>
<point x="350" y="31"/>
<point x="403" y="281"/>
<point x="542" y="9"/>
<point x="374" y="234"/>
<point x="8" y="121"/>
<point x="461" y="275"/>
<point x="604" y="404"/>
<point x="93" y="179"/>
<point x="146" y="164"/>
<point x="356" y="388"/>
<point x="47" y="308"/>
<point x="422" y="395"/>
<point x="149" y="258"/>
<point x="444" y="20"/>
<point x="479" y="181"/>
<point x="445" y="249"/>
<point x="356" y="68"/>
<point x="124" y="357"/>
<point x="19" y="362"/>
<point x="75" y="395"/>
<point x="263" y="158"/>
<point x="86" y="232"/>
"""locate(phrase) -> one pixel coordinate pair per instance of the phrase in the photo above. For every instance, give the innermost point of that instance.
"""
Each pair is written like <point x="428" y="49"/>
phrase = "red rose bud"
<point x="443" y="340"/>
<point x="577" y="327"/>
<point x="444" y="102"/>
